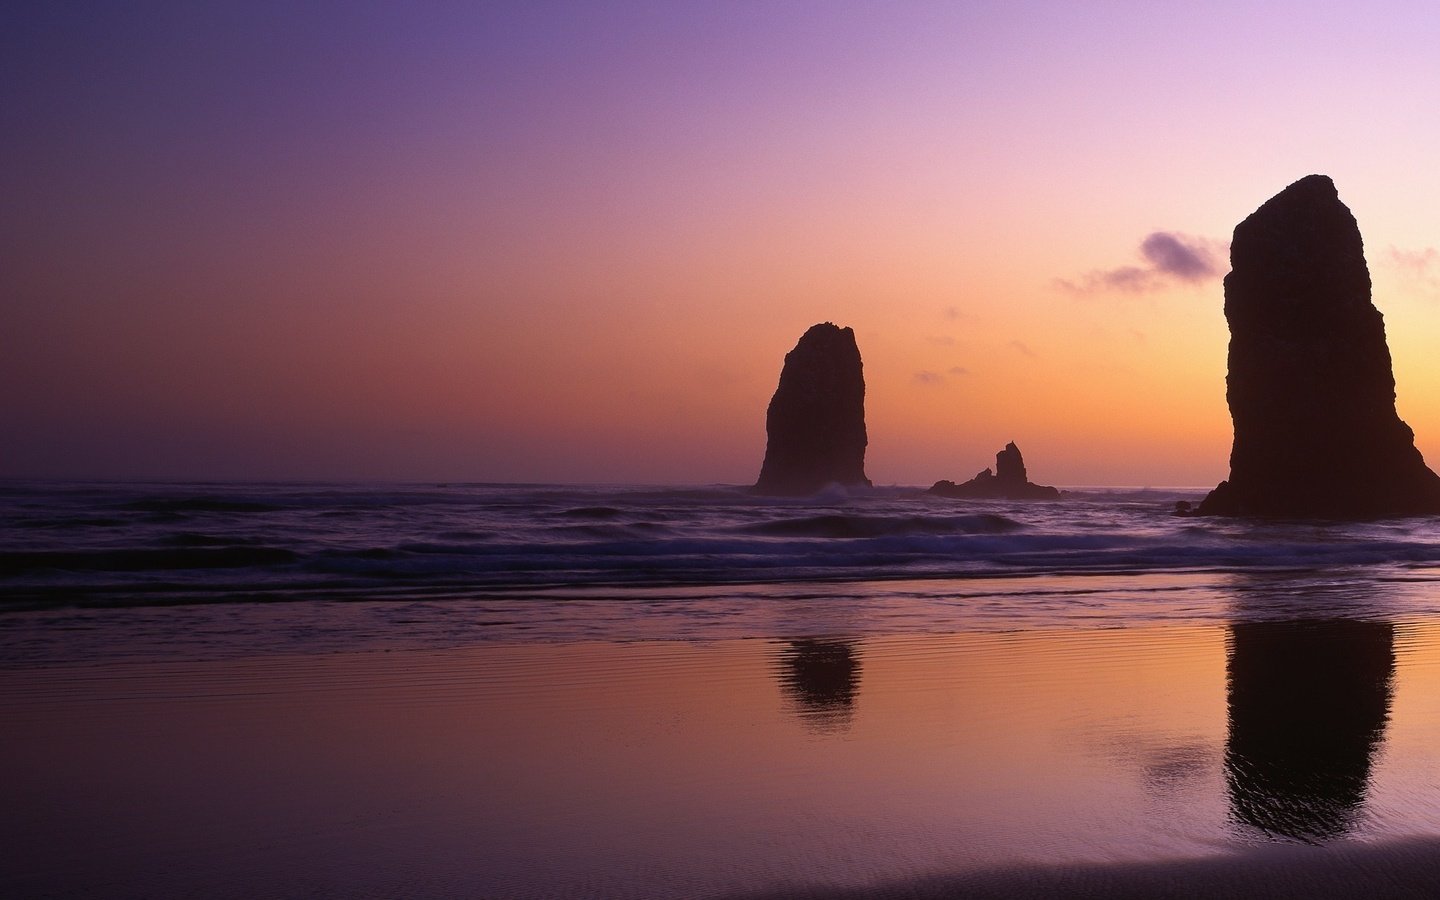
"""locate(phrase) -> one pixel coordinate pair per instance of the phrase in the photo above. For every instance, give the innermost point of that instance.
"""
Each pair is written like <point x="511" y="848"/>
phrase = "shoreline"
<point x="860" y="609"/>
<point x="1399" y="868"/>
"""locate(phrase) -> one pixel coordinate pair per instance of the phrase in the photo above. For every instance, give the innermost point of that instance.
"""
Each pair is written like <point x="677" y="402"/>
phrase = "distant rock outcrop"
<point x="1310" y="386"/>
<point x="1007" y="482"/>
<point x="815" y="425"/>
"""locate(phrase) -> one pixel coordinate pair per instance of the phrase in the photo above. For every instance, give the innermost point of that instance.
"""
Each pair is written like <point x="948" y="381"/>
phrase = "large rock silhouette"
<point x="1310" y="386"/>
<point x="1007" y="482"/>
<point x="815" y="425"/>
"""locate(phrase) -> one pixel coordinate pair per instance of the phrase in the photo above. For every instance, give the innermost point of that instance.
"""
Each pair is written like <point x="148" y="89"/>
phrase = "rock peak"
<point x="1314" y="182"/>
<point x="827" y="333"/>
<point x="815" y="424"/>
<point x="1310" y="386"/>
<point x="1007" y="482"/>
<point x="1010" y="465"/>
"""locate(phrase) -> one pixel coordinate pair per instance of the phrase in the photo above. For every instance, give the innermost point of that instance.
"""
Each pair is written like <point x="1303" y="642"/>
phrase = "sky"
<point x="572" y="242"/>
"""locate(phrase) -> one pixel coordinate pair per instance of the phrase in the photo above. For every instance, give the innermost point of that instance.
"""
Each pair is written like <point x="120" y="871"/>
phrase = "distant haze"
<point x="570" y="242"/>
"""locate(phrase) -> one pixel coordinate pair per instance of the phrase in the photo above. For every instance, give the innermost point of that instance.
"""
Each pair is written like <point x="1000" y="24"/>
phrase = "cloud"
<point x="1414" y="260"/>
<point x="1170" y="254"/>
<point x="1421" y="268"/>
<point x="931" y="379"/>
<point x="1131" y="279"/>
<point x="941" y="340"/>
<point x="1022" y="349"/>
<point x="1169" y="258"/>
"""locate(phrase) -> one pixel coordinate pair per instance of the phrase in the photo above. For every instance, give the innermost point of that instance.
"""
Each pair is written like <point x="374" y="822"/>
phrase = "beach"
<point x="896" y="697"/>
<point x="1197" y="729"/>
<point x="1015" y="759"/>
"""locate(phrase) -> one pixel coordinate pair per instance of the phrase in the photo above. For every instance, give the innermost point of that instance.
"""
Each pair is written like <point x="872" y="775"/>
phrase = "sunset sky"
<point x="573" y="241"/>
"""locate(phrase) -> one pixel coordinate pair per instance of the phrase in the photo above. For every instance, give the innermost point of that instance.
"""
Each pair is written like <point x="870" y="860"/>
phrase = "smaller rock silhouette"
<point x="1007" y="482"/>
<point x="815" y="425"/>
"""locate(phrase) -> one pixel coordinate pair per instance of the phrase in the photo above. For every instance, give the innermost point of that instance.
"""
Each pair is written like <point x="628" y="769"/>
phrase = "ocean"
<point x="447" y="690"/>
<point x="680" y="555"/>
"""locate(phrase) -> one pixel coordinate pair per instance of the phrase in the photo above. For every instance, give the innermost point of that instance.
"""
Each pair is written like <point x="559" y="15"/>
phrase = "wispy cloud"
<point x="1417" y="260"/>
<point x="927" y="378"/>
<point x="1421" y="268"/>
<point x="1168" y="258"/>
<point x="1021" y="348"/>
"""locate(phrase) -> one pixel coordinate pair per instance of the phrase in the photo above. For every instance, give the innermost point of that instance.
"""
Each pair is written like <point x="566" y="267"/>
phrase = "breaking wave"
<point x="134" y="544"/>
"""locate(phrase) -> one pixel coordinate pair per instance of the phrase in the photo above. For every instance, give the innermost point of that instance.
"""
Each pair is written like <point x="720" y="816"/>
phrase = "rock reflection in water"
<point x="1307" y="702"/>
<point x="822" y="678"/>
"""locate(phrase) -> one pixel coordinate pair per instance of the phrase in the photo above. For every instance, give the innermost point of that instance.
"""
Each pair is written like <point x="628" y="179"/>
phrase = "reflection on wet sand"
<point x="822" y="678"/>
<point x="1074" y="762"/>
<point x="1307" y="703"/>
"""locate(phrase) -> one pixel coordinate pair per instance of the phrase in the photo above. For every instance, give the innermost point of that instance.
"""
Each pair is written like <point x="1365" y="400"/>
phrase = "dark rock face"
<point x="1310" y="387"/>
<point x="1007" y="482"/>
<point x="816" y="421"/>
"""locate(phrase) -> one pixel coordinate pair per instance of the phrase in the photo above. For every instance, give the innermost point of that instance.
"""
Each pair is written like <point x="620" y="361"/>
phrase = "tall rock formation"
<point x="1310" y="386"/>
<point x="815" y="425"/>
<point x="1007" y="482"/>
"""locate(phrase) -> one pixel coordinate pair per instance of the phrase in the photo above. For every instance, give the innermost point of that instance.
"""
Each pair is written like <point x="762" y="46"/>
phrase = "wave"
<point x="862" y="526"/>
<point x="380" y="541"/>
<point x="70" y="524"/>
<point x="591" y="512"/>
<point x="142" y="560"/>
<point x="198" y="504"/>
<point x="716" y="560"/>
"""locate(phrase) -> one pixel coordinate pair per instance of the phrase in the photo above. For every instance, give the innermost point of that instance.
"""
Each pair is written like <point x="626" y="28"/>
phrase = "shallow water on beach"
<point x="679" y="768"/>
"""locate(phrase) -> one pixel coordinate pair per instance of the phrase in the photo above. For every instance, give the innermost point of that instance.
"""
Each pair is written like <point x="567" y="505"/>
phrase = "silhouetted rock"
<point x="1010" y="465"/>
<point x="1310" y="386"/>
<point x="1007" y="482"/>
<point x="816" y="421"/>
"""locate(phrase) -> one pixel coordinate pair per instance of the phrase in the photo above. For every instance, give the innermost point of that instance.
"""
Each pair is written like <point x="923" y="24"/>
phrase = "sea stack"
<point x="815" y="426"/>
<point x="1007" y="482"/>
<point x="1310" y="386"/>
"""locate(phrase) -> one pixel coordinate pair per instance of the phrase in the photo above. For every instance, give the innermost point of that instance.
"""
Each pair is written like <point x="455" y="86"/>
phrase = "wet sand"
<point x="1130" y="761"/>
<point x="1394" y="869"/>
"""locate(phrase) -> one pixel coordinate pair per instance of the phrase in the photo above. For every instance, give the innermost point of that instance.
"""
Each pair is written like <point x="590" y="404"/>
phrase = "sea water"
<point x="88" y="546"/>
<point x="538" y="691"/>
